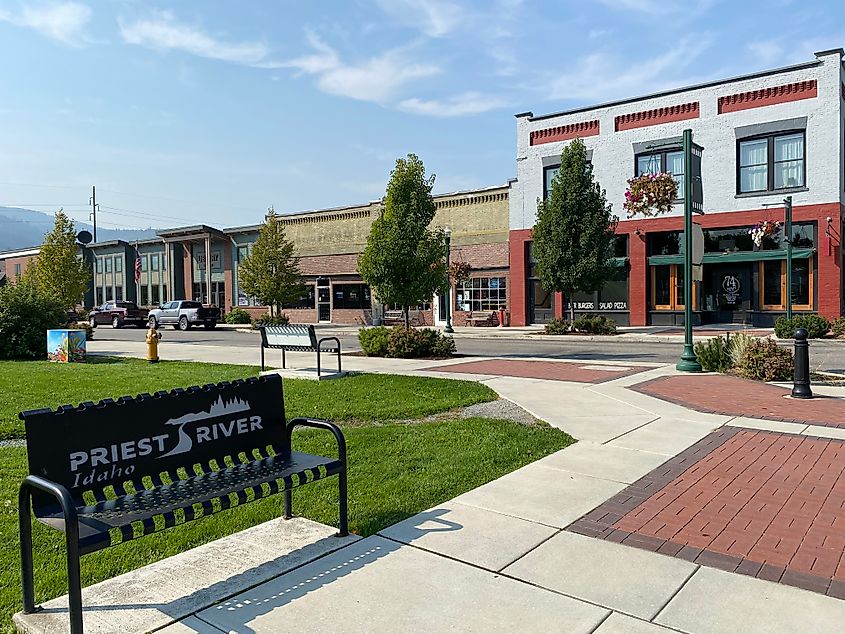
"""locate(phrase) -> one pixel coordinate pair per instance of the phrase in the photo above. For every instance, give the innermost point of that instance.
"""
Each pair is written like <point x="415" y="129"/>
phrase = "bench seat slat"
<point x="95" y="521"/>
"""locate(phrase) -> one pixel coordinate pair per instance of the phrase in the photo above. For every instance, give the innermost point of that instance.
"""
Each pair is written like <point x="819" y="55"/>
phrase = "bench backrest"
<point x="94" y="446"/>
<point x="301" y="335"/>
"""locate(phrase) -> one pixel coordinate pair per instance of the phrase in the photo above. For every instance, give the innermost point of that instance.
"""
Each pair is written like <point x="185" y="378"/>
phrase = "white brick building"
<point x="764" y="136"/>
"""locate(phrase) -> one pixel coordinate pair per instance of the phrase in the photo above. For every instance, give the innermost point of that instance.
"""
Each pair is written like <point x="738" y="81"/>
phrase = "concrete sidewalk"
<point x="499" y="558"/>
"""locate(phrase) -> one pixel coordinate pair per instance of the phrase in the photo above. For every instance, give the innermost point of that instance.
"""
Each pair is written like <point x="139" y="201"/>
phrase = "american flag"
<point x="137" y="267"/>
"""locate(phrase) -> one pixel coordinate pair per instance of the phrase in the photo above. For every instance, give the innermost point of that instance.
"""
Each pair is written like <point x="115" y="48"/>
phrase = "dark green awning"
<point x="736" y="256"/>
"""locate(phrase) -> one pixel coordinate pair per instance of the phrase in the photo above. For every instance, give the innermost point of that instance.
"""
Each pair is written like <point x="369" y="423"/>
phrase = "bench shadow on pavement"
<point x="257" y="599"/>
<point x="263" y="600"/>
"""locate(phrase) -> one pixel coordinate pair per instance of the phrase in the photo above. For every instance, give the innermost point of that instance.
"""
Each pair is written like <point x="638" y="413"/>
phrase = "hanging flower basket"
<point x="650" y="194"/>
<point x="459" y="271"/>
<point x="762" y="229"/>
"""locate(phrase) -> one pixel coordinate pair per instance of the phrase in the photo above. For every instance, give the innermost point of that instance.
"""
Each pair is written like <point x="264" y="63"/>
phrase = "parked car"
<point x="183" y="314"/>
<point x="118" y="314"/>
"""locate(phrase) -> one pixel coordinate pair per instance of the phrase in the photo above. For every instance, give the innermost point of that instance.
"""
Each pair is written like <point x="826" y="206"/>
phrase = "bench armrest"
<point x="59" y="492"/>
<point x="317" y="423"/>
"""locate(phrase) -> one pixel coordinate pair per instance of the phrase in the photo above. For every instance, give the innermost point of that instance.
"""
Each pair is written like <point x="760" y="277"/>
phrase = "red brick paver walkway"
<point x="732" y="396"/>
<point x="760" y="503"/>
<point x="553" y="370"/>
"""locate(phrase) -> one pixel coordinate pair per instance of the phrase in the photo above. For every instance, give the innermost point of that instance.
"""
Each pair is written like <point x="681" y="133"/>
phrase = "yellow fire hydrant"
<point x="152" y="345"/>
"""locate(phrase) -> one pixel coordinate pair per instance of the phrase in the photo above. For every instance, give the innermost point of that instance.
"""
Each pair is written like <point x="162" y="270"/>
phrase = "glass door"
<point x="324" y="300"/>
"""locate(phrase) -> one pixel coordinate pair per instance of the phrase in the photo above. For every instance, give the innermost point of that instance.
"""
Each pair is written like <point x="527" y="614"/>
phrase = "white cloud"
<point x="767" y="52"/>
<point x="468" y="103"/>
<point x="376" y="79"/>
<point x="659" y="7"/>
<point x="434" y="18"/>
<point x="162" y="31"/>
<point x="601" y="76"/>
<point x="61" y="21"/>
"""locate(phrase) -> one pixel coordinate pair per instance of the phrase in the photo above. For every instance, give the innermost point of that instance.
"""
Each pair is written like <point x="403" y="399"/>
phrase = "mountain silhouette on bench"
<point x="217" y="409"/>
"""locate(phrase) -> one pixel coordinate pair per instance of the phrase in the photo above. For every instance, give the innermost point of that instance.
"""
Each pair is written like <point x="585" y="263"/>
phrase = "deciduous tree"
<point x="270" y="272"/>
<point x="404" y="261"/>
<point x="59" y="270"/>
<point x="574" y="233"/>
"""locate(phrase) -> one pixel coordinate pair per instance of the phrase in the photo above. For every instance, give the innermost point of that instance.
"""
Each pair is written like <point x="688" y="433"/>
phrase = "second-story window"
<point x="771" y="163"/>
<point x="549" y="173"/>
<point x="671" y="161"/>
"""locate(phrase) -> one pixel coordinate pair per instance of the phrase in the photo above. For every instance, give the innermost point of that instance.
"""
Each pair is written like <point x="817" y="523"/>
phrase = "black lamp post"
<point x="447" y="232"/>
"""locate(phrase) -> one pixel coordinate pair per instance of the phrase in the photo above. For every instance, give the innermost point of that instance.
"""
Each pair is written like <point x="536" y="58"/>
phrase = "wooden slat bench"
<point x="107" y="473"/>
<point x="480" y="318"/>
<point x="297" y="338"/>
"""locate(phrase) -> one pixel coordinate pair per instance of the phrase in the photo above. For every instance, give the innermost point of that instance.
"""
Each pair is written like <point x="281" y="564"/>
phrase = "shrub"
<point x="25" y="317"/>
<point x="557" y="327"/>
<point x="271" y="320"/>
<point x="765" y="360"/>
<point x="83" y="325"/>
<point x="815" y="325"/>
<point x="238" y="316"/>
<point x="374" y="340"/>
<point x="737" y="345"/>
<point x="595" y="325"/>
<point x="714" y="354"/>
<point x="838" y="327"/>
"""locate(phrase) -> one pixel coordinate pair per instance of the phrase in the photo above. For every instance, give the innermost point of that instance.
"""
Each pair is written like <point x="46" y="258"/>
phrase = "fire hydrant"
<point x="152" y="345"/>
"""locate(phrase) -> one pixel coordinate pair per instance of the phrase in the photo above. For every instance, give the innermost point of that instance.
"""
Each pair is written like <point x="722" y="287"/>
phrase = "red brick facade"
<point x="565" y="132"/>
<point x="657" y="115"/>
<point x="768" y="96"/>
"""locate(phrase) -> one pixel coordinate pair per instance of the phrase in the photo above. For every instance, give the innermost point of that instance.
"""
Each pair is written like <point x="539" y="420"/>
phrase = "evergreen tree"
<point x="404" y="261"/>
<point x="574" y="233"/>
<point x="59" y="271"/>
<point x="270" y="273"/>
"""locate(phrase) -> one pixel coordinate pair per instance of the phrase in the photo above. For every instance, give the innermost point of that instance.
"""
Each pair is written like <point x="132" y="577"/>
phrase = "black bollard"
<point x="801" y="382"/>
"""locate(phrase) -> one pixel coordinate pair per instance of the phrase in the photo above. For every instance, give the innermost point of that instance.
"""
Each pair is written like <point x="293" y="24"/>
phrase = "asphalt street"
<point x="824" y="355"/>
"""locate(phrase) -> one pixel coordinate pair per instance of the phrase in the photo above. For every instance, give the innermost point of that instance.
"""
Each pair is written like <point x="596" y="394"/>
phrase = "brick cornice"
<point x="565" y="132"/>
<point x="768" y="96"/>
<point x="657" y="116"/>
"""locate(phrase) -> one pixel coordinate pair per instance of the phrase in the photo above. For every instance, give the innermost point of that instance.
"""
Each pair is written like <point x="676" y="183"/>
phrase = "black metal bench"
<point x="297" y="338"/>
<point x="107" y="473"/>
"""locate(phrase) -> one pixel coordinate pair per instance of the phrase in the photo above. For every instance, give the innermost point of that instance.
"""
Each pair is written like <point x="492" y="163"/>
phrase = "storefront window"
<point x="665" y="243"/>
<point x="482" y="294"/>
<point x="145" y="295"/>
<point x="620" y="246"/>
<point x="772" y="283"/>
<point x="156" y="300"/>
<point x="662" y="283"/>
<point x="679" y="286"/>
<point x="350" y="296"/>
<point x="801" y="293"/>
<point x="739" y="239"/>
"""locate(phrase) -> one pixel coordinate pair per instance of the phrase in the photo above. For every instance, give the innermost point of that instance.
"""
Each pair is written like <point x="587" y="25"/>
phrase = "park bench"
<point x="297" y="338"/>
<point x="475" y="318"/>
<point x="107" y="473"/>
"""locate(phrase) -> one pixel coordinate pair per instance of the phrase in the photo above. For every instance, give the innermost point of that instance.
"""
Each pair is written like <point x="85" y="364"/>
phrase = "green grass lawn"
<point x="395" y="470"/>
<point x="364" y="397"/>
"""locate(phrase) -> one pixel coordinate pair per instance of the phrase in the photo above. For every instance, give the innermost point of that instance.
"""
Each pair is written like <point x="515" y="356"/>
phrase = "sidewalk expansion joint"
<point x="655" y="419"/>
<point x="675" y="593"/>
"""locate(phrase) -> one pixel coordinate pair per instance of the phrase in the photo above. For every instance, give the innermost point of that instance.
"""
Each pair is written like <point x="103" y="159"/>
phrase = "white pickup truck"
<point x="183" y="314"/>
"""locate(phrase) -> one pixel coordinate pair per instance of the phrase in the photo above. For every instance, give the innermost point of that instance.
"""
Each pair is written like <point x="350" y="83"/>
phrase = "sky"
<point x="210" y="112"/>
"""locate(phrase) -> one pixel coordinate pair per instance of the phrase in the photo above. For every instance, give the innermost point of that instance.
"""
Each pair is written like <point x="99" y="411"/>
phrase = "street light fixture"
<point x="447" y="232"/>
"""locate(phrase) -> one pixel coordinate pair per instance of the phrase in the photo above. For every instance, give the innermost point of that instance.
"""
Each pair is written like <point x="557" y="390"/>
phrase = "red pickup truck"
<point x="118" y="314"/>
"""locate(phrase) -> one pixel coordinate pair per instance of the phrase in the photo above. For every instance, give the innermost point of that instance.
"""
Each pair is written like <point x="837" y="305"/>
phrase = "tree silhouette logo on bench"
<point x="118" y="453"/>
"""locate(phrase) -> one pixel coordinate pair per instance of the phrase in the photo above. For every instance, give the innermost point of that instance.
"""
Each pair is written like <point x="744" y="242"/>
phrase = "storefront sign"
<point x="601" y="306"/>
<point x="731" y="286"/>
<point x="216" y="261"/>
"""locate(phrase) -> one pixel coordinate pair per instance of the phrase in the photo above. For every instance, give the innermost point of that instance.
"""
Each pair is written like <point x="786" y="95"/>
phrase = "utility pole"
<point x="93" y="201"/>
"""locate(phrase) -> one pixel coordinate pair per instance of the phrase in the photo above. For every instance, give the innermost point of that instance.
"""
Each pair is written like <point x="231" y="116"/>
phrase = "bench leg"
<point x="338" y="358"/>
<point x="74" y="583"/>
<point x="288" y="504"/>
<point x="318" y="360"/>
<point x="73" y="569"/>
<point x="283" y="358"/>
<point x="25" y="532"/>
<point x="262" y="358"/>
<point x="344" y="512"/>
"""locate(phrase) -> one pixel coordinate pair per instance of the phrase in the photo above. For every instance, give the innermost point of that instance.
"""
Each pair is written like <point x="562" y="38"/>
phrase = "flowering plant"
<point x="459" y="271"/>
<point x="762" y="229"/>
<point x="650" y="194"/>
